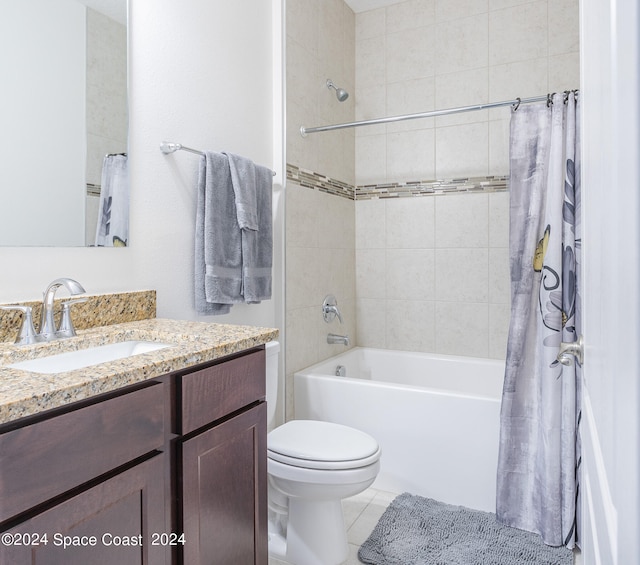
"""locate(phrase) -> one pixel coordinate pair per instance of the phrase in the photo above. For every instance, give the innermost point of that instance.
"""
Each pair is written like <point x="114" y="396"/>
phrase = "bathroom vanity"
<point x="158" y="458"/>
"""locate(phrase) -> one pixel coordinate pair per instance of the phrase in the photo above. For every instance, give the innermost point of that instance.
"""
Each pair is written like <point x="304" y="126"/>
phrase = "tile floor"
<point x="361" y="514"/>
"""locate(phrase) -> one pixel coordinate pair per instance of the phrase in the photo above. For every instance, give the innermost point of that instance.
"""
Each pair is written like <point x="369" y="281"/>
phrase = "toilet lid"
<point x="315" y="441"/>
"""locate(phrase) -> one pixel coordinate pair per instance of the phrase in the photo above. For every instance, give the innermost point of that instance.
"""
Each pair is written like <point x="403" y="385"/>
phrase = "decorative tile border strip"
<point x="93" y="189"/>
<point x="320" y="182"/>
<point x="422" y="188"/>
<point x="326" y="184"/>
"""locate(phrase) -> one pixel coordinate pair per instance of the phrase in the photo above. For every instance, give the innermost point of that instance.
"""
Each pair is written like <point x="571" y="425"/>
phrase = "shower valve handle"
<point x="330" y="309"/>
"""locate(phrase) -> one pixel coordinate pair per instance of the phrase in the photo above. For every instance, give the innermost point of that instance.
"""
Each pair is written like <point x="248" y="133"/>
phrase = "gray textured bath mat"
<point x="420" y="531"/>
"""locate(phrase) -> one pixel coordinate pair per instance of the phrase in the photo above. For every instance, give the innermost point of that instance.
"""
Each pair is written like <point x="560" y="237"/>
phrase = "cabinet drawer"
<point x="45" y="459"/>
<point x="214" y="392"/>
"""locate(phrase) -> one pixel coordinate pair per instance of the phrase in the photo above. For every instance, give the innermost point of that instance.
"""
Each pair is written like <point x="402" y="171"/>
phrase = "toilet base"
<point x="316" y="534"/>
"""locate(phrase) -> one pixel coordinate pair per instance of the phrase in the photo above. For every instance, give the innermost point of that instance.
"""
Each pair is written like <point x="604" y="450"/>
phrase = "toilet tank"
<point x="272" y="350"/>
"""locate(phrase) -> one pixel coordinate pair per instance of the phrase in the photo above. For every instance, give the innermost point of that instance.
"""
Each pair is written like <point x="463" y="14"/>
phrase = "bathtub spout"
<point x="338" y="339"/>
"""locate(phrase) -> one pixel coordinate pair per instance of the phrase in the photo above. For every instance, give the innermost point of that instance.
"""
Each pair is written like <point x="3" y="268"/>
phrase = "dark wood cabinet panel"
<point x="225" y="492"/>
<point x="50" y="457"/>
<point x="214" y="392"/>
<point x="126" y="509"/>
<point x="182" y="454"/>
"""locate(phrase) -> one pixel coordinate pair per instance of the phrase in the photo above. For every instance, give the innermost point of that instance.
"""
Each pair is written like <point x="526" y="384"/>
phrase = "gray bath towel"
<point x="218" y="245"/>
<point x="232" y="264"/>
<point x="252" y="186"/>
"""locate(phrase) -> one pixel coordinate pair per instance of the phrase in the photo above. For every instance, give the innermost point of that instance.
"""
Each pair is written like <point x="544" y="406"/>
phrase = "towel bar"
<point x="169" y="147"/>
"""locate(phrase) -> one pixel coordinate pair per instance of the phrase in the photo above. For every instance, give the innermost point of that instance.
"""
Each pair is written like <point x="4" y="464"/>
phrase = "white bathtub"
<point x="436" y="418"/>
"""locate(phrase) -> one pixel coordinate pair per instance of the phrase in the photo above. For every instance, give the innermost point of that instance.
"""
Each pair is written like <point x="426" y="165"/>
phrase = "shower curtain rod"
<point x="304" y="131"/>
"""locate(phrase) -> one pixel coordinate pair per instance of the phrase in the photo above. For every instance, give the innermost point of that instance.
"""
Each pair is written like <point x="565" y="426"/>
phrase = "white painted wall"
<point x="203" y="74"/>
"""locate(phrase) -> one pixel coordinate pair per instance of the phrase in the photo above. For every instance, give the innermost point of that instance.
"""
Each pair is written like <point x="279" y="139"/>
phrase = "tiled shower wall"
<point x="432" y="271"/>
<point x="422" y="55"/>
<point x="320" y="228"/>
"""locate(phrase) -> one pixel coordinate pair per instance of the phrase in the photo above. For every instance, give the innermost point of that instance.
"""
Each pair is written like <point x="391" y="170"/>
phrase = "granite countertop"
<point x="24" y="393"/>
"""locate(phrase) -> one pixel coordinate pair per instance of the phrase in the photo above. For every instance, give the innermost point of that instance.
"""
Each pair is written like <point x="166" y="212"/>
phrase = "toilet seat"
<point x="313" y="444"/>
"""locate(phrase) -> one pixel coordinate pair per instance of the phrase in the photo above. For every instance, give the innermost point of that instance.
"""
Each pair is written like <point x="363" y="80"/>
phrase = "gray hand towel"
<point x="243" y="178"/>
<point x="252" y="185"/>
<point x="218" y="241"/>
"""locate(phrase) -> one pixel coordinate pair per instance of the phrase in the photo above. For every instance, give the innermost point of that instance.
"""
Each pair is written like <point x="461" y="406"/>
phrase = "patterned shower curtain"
<point x="539" y="460"/>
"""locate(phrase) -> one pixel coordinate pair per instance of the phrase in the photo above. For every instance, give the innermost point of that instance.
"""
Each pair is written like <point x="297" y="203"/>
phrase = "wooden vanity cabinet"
<point x="169" y="471"/>
<point x="222" y="464"/>
<point x="111" y="522"/>
<point x="77" y="484"/>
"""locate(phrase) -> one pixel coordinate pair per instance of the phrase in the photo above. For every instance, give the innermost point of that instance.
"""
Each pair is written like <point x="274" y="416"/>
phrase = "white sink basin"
<point x="88" y="357"/>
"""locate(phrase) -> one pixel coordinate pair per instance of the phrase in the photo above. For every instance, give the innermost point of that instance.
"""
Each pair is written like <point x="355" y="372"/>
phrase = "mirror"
<point x="63" y="107"/>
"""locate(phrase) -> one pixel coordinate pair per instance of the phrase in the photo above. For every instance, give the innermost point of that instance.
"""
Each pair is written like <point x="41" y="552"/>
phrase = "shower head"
<point x="341" y="93"/>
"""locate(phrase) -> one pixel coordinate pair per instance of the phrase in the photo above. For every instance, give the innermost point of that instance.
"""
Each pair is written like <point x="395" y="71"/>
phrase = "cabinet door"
<point x="224" y="482"/>
<point x="112" y="522"/>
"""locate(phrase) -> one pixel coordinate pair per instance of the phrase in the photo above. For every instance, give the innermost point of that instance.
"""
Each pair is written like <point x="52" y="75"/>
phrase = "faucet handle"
<point x="330" y="309"/>
<point x="66" y="328"/>
<point x="27" y="333"/>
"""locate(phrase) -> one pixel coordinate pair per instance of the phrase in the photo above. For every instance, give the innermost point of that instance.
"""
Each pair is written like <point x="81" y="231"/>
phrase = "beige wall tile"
<point x="410" y="223"/>
<point x="456" y="210"/>
<point x="371" y="103"/>
<point x="337" y="274"/>
<point x="371" y="224"/>
<point x="499" y="316"/>
<point x="564" y="72"/>
<point x="304" y="273"/>
<point x="371" y="325"/>
<point x="462" y="150"/>
<point x="370" y="61"/>
<point x="410" y="274"/>
<point x="499" y="278"/>
<point x="410" y="54"/>
<point x="301" y="217"/>
<point x="463" y="88"/>
<point x="462" y="329"/>
<point x="336" y="222"/>
<point x="518" y="33"/>
<point x="410" y="155"/>
<point x="370" y="24"/>
<point x="499" y="147"/>
<point x="410" y="97"/>
<point x="302" y="338"/>
<point x="523" y="79"/>
<point x="410" y="14"/>
<point x="454" y="9"/>
<point x="410" y="325"/>
<point x="564" y="27"/>
<point x="462" y="275"/>
<point x="461" y="44"/>
<point x="499" y="219"/>
<point x="302" y="23"/>
<point x="371" y="277"/>
<point x="500" y="4"/>
<point x="371" y="159"/>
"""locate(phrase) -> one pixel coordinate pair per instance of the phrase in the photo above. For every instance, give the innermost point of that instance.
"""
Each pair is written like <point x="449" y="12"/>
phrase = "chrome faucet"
<point x="338" y="339"/>
<point x="330" y="309"/>
<point x="47" y="323"/>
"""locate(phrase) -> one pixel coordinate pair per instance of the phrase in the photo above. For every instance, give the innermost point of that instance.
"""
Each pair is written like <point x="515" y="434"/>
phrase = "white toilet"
<point x="312" y="466"/>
